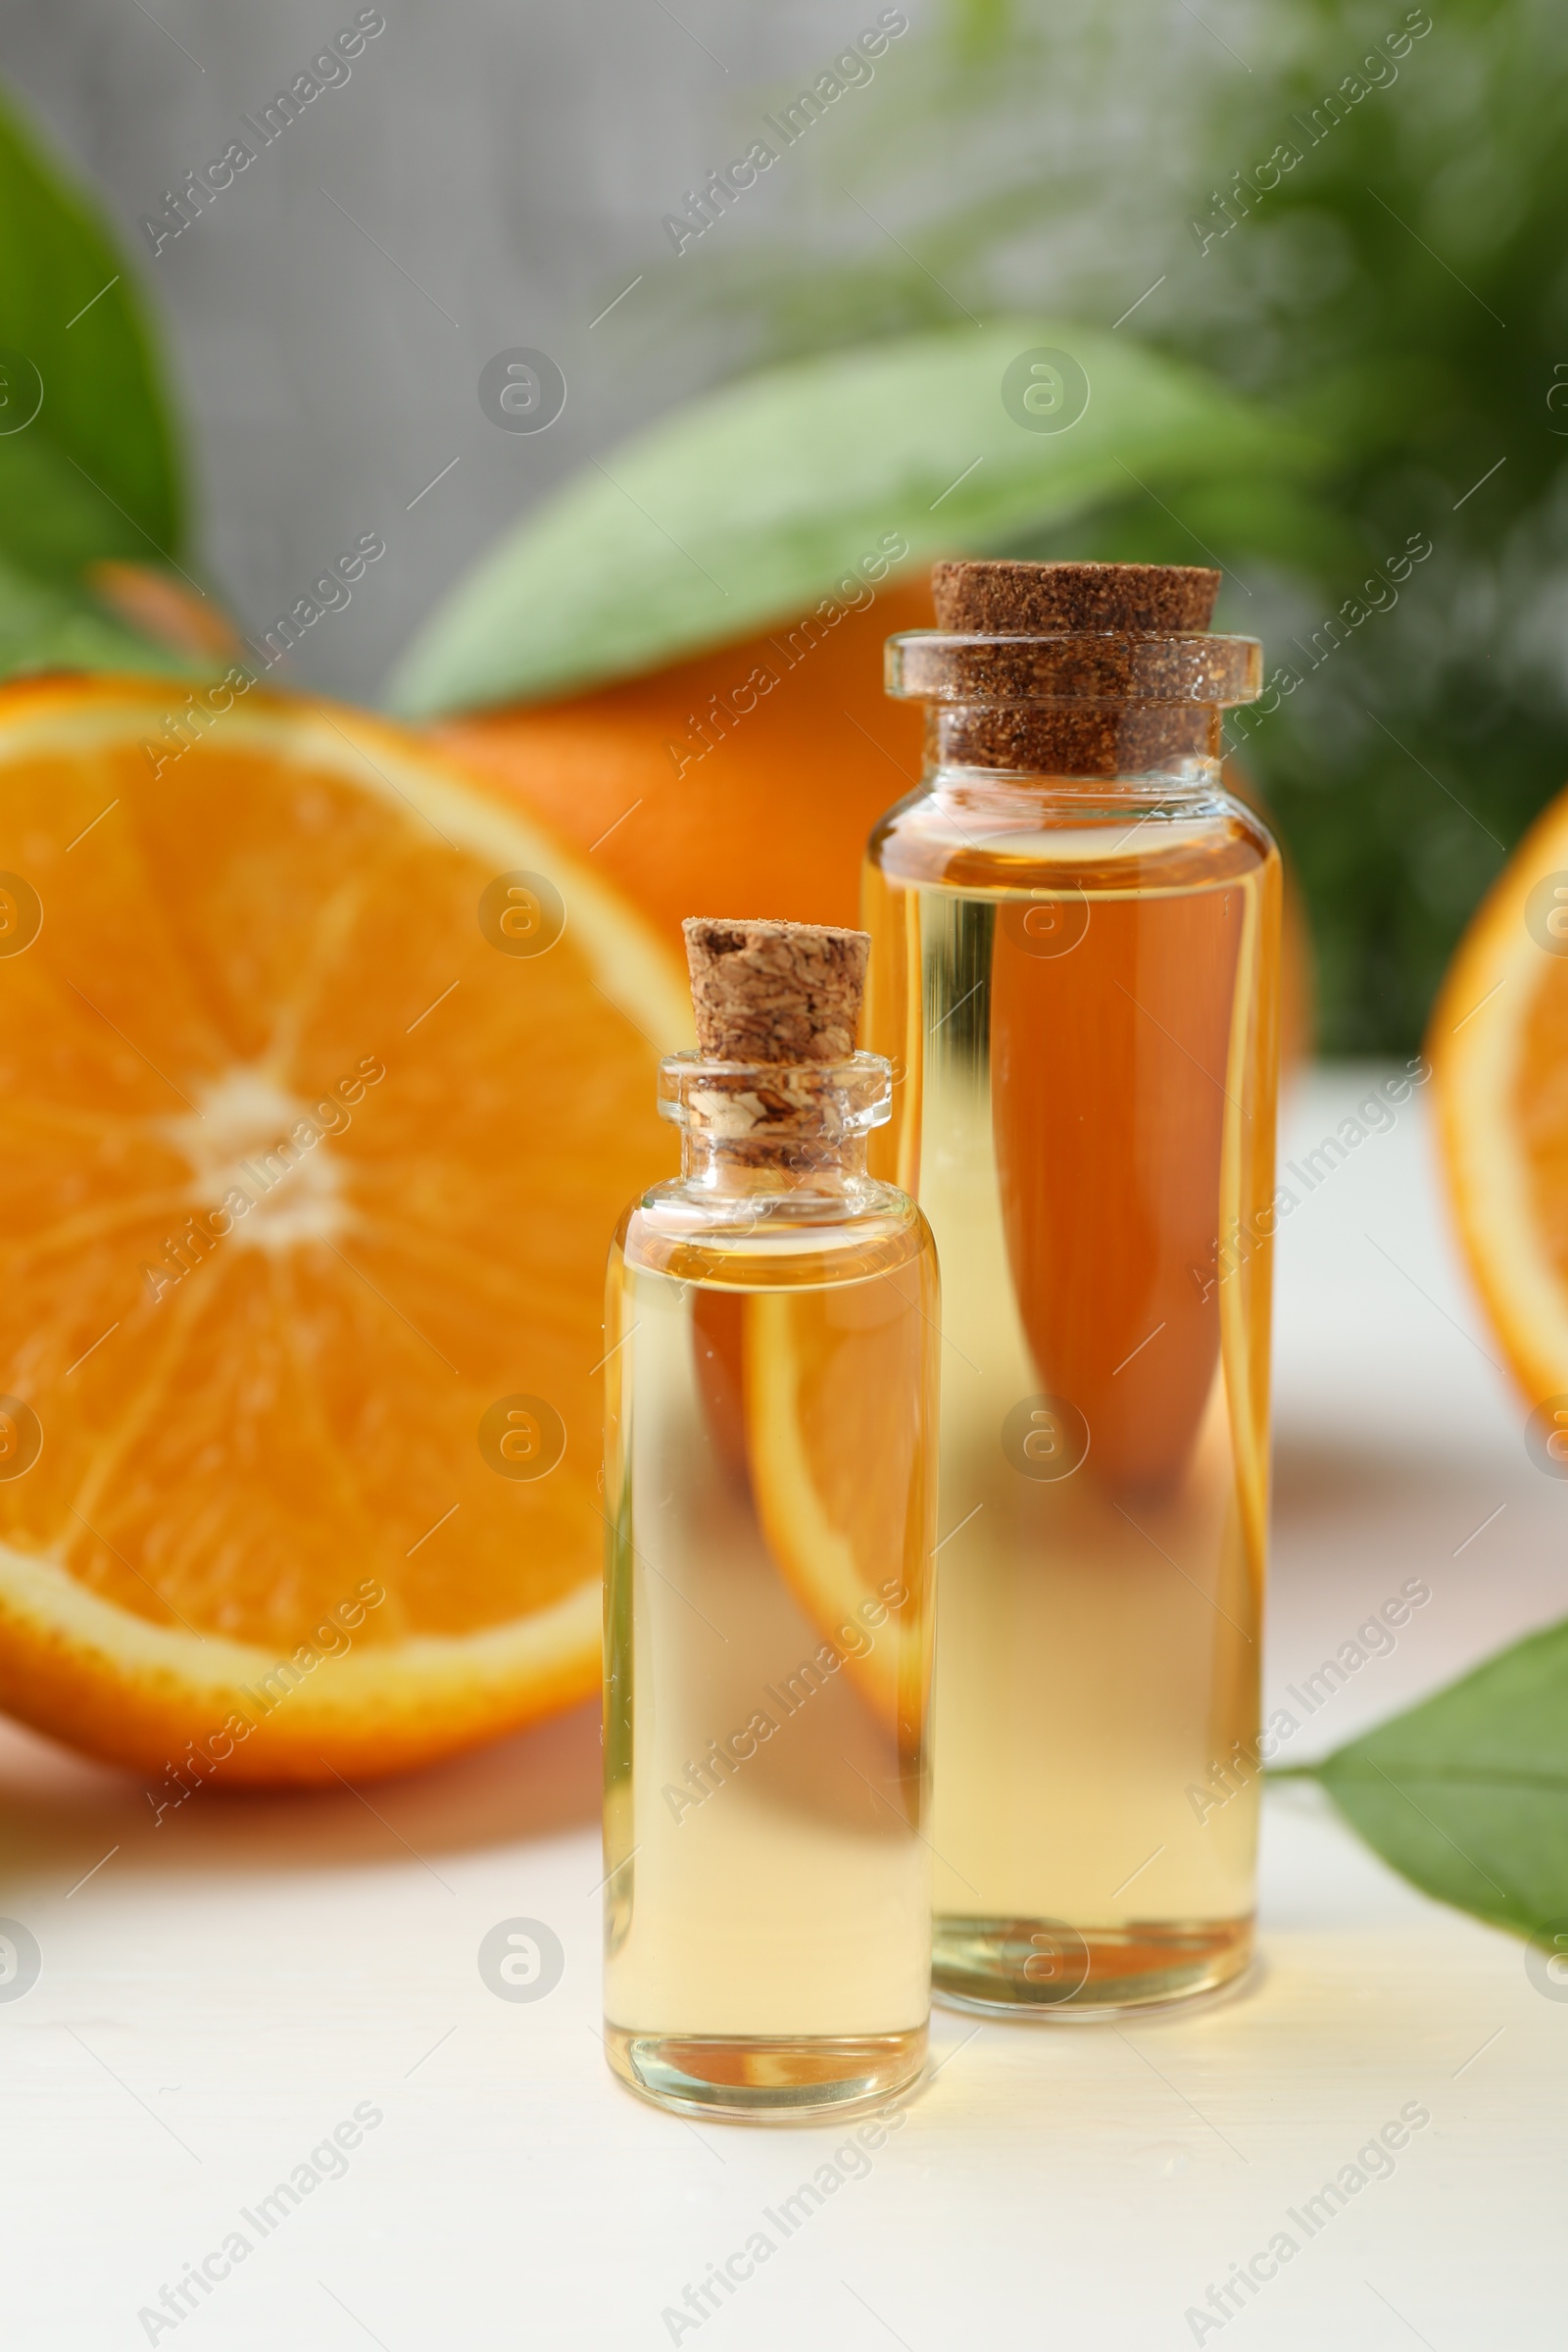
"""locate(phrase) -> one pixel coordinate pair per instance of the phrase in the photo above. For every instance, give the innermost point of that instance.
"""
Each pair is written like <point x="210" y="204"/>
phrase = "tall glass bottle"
<point x="769" y="1483"/>
<point x="1075" y="963"/>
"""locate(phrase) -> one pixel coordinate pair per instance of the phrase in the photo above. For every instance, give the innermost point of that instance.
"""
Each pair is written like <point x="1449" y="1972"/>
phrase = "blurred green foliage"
<point x="1402" y="293"/>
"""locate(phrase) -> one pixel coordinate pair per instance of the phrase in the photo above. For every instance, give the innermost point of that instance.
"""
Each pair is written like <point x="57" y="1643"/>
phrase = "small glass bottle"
<point x="769" y="1486"/>
<point x="1076" y="958"/>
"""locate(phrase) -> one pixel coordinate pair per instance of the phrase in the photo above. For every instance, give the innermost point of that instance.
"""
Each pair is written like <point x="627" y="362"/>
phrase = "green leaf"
<point x="94" y="472"/>
<point x="746" y="505"/>
<point x="1467" y="1794"/>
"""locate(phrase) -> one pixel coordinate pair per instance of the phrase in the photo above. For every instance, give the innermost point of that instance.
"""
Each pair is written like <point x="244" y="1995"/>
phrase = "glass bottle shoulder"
<point x="976" y="831"/>
<point x="785" y="1239"/>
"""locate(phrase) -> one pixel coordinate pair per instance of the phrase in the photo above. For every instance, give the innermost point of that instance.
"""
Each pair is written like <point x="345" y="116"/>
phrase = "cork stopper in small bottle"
<point x="775" y="991"/>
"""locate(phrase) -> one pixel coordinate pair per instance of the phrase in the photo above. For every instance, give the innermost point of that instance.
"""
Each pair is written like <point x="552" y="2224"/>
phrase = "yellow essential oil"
<point x="1075" y="964"/>
<point x="769" y="1485"/>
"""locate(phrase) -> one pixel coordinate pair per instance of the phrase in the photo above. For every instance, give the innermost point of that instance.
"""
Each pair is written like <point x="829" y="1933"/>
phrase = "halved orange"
<point x="324" y="1074"/>
<point x="1498" y="1048"/>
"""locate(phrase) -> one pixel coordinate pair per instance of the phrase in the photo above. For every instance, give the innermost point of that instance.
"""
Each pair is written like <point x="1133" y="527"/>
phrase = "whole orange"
<point x="744" y="782"/>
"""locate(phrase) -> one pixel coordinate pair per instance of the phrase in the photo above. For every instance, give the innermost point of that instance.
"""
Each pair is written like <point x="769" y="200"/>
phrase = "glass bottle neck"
<point x="1118" y="702"/>
<point x="751" y="1128"/>
<point x="1192" y="779"/>
<point x="805" y="1163"/>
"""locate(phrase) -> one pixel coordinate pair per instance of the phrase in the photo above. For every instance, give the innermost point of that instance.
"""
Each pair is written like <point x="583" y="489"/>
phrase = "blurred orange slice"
<point x="324" y="1074"/>
<point x="839" y="1445"/>
<point x="1498" y="1046"/>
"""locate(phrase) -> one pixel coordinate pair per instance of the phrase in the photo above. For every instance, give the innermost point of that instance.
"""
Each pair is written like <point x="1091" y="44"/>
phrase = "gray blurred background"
<point x="506" y="166"/>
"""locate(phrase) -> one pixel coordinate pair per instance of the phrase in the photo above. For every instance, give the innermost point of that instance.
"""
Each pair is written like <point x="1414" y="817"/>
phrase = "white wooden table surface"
<point x="228" y="1987"/>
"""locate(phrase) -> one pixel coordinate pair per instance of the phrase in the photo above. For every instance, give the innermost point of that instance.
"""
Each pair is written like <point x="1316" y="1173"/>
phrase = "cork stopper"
<point x="997" y="599"/>
<point x="775" y="991"/>
<point x="1074" y="669"/>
